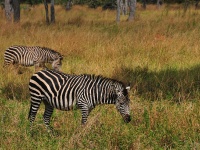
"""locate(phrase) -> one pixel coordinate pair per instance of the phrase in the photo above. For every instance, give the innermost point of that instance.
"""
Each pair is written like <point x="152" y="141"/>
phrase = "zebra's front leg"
<point x="36" y="66"/>
<point x="43" y="66"/>
<point x="39" y="65"/>
<point x="47" y="116"/>
<point x="17" y="69"/>
<point x="85" y="113"/>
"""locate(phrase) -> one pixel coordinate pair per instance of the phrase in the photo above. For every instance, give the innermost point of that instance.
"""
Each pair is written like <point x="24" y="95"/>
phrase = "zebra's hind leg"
<point x="32" y="112"/>
<point x="47" y="116"/>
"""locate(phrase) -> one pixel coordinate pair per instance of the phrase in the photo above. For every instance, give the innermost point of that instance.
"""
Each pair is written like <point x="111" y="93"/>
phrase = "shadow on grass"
<point x="172" y="84"/>
<point x="15" y="91"/>
<point x="14" y="85"/>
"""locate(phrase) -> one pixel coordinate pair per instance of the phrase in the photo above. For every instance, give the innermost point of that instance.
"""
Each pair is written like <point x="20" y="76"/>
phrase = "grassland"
<point x="158" y="53"/>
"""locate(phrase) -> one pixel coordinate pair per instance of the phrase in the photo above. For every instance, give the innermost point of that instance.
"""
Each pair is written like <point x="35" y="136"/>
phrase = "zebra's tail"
<point x="7" y="63"/>
<point x="4" y="64"/>
<point x="29" y="114"/>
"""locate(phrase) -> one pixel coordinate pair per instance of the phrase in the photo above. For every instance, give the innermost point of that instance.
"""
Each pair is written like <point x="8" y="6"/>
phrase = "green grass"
<point x="156" y="125"/>
<point x="158" y="54"/>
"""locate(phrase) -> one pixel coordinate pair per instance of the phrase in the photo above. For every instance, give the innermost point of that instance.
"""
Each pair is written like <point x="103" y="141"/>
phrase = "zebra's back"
<point x="29" y="56"/>
<point x="46" y="83"/>
<point x="55" y="87"/>
<point x="16" y="55"/>
<point x="63" y="90"/>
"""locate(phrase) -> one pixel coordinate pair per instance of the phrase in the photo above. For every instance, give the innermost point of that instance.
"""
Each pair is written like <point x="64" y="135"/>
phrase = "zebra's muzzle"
<point x="127" y="118"/>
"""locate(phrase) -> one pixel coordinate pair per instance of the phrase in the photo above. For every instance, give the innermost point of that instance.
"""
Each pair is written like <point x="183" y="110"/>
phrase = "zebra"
<point x="32" y="56"/>
<point x="66" y="92"/>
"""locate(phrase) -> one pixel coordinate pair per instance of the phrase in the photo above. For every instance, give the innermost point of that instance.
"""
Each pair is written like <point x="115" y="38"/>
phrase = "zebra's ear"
<point x="128" y="87"/>
<point x="61" y="57"/>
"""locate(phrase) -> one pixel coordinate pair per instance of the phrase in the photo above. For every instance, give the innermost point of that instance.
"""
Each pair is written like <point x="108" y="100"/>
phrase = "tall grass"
<point x="158" y="54"/>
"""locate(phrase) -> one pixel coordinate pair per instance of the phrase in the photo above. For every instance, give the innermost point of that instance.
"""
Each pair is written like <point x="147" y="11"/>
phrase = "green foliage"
<point x="94" y="3"/>
<point x="80" y="2"/>
<point x="159" y="130"/>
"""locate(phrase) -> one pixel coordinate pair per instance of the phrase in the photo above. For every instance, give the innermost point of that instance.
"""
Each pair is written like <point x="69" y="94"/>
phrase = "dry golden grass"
<point x="158" y="53"/>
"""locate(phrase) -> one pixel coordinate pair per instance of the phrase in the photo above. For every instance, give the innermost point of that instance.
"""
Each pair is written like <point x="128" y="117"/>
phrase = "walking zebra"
<point x="64" y="92"/>
<point x="32" y="56"/>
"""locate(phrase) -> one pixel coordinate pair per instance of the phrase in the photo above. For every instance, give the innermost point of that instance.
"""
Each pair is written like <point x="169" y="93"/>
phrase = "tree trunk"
<point x="47" y="11"/>
<point x="52" y="12"/>
<point x="126" y="7"/>
<point x="159" y="3"/>
<point x="186" y="5"/>
<point x="144" y="4"/>
<point x="8" y="10"/>
<point x="196" y="4"/>
<point x="16" y="8"/>
<point x="121" y="7"/>
<point x="118" y="11"/>
<point x="69" y="5"/>
<point x="132" y="6"/>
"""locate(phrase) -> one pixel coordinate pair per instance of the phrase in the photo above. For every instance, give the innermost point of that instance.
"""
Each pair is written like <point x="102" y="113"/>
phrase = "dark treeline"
<point x="107" y="4"/>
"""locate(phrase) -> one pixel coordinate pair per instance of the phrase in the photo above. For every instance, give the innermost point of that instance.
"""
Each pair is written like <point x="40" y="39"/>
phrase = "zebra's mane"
<point x="98" y="78"/>
<point x="48" y="49"/>
<point x="44" y="48"/>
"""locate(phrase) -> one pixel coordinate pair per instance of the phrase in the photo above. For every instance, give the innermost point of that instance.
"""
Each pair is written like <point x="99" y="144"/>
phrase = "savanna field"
<point x="158" y="53"/>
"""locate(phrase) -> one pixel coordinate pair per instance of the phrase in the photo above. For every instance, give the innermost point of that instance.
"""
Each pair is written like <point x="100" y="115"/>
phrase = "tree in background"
<point x="118" y="11"/>
<point x="12" y="7"/>
<point x="8" y="10"/>
<point x="69" y="5"/>
<point x="47" y="12"/>
<point x="144" y="4"/>
<point x="132" y="6"/>
<point x="16" y="8"/>
<point x="12" y="10"/>
<point x="196" y="4"/>
<point x="124" y="7"/>
<point x="52" y="12"/>
<point x="159" y="3"/>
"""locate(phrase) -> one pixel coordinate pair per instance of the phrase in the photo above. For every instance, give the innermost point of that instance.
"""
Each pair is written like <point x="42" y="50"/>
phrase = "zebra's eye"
<point x="119" y="93"/>
<point x="122" y="103"/>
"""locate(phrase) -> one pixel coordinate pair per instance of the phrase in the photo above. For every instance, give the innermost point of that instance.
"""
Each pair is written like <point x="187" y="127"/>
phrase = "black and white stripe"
<point x="64" y="92"/>
<point x="32" y="56"/>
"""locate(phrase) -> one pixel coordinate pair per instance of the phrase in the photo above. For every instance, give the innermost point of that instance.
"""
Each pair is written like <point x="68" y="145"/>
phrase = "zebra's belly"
<point x="73" y="107"/>
<point x="27" y="63"/>
<point x="64" y="105"/>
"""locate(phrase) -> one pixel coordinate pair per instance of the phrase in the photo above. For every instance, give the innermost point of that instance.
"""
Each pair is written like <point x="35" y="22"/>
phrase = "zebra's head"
<point x="57" y="56"/>
<point x="57" y="61"/>
<point x="122" y="102"/>
<point x="56" y="64"/>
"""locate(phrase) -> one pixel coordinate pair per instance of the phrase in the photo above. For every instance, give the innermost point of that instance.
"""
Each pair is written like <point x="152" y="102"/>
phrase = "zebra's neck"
<point x="101" y="90"/>
<point x="108" y="98"/>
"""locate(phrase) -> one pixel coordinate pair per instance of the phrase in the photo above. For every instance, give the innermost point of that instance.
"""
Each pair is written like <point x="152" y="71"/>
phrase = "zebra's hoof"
<point x="52" y="132"/>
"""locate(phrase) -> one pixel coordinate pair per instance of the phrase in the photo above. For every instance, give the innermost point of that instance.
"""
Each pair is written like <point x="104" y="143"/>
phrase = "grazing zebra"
<point x="65" y="92"/>
<point x="32" y="56"/>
